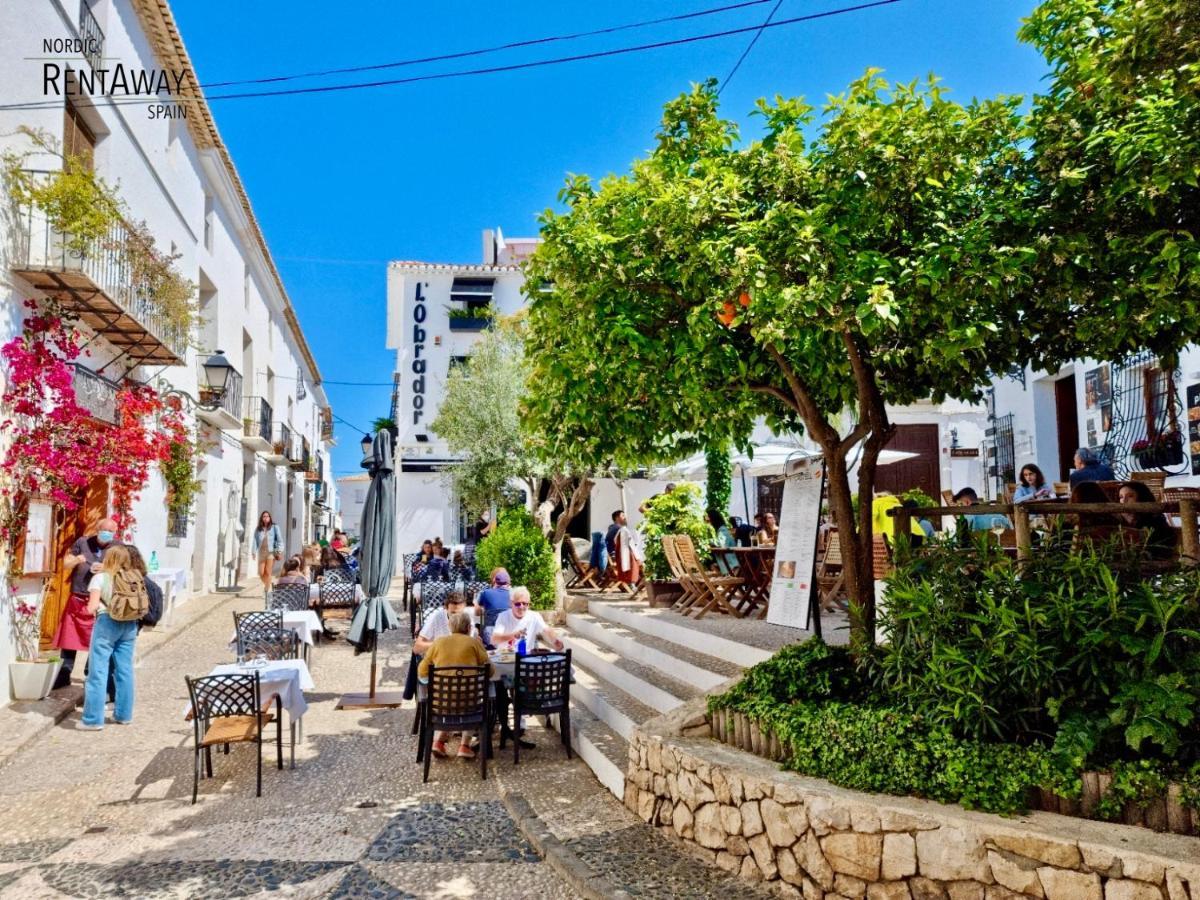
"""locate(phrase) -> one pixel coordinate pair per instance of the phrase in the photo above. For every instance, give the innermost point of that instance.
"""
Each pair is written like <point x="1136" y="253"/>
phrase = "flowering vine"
<point x="56" y="447"/>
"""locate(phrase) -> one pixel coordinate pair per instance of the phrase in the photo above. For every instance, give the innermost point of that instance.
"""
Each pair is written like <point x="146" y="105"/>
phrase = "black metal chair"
<point x="336" y="598"/>
<point x="408" y="560"/>
<point x="456" y="699"/>
<point x="282" y="643"/>
<point x="288" y="597"/>
<point x="542" y="687"/>
<point x="256" y="623"/>
<point x="433" y="596"/>
<point x="230" y="709"/>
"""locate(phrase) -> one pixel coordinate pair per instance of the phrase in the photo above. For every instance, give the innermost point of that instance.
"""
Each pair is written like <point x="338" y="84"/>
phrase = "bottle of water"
<point x="521" y="646"/>
<point x="153" y="564"/>
<point x="460" y="587"/>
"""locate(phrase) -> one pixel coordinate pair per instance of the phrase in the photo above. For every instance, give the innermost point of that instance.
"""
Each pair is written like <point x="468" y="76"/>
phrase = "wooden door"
<point x="1066" y="412"/>
<point x="71" y="527"/>
<point x="922" y="471"/>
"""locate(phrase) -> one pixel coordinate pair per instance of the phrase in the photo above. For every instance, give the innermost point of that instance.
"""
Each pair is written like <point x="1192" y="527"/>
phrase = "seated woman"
<point x="769" y="533"/>
<point x="293" y="572"/>
<point x="457" y="648"/>
<point x="1032" y="485"/>
<point x="1161" y="539"/>
<point x="333" y="561"/>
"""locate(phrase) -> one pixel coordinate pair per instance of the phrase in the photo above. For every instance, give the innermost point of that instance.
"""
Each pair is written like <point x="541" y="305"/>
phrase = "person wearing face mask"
<point x="75" y="628"/>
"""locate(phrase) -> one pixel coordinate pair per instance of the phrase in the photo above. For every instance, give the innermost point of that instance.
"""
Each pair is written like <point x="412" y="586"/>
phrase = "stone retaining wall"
<point x="812" y="839"/>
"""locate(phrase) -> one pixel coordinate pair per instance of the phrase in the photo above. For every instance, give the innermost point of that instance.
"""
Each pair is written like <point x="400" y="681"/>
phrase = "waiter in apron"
<point x="75" y="627"/>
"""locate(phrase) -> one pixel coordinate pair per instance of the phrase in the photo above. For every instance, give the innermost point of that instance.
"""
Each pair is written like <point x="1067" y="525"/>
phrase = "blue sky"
<point x="343" y="182"/>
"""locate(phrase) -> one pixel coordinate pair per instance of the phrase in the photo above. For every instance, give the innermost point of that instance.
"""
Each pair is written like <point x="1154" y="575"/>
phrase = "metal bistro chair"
<point x="336" y="598"/>
<point x="288" y="597"/>
<point x="230" y="709"/>
<point x="408" y="560"/>
<point x="456" y="700"/>
<point x="433" y="597"/>
<point x="542" y="687"/>
<point x="269" y="644"/>
<point x="254" y="625"/>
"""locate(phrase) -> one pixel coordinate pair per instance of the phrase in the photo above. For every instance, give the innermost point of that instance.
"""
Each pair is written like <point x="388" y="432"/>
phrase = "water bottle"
<point x="153" y="565"/>
<point x="460" y="587"/>
<point x="521" y="646"/>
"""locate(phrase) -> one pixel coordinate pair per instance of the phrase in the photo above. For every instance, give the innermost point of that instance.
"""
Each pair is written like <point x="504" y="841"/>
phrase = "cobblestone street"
<point x="91" y="814"/>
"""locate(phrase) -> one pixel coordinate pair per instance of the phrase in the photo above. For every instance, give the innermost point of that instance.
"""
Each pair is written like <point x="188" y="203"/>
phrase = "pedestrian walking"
<point x="118" y="599"/>
<point x="268" y="547"/>
<point x="74" y="631"/>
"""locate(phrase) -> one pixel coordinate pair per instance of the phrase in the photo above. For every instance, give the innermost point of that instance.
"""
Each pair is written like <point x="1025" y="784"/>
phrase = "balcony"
<point x="327" y="425"/>
<point x="297" y="451"/>
<point x="227" y="415"/>
<point x="472" y="318"/>
<point x="256" y="425"/>
<point x="92" y="36"/>
<point x="100" y="282"/>
<point x="280" y="452"/>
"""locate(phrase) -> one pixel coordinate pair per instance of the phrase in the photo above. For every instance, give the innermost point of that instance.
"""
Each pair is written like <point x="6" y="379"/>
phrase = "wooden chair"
<point x="719" y="590"/>
<point x="831" y="579"/>
<point x="1009" y="490"/>
<point x="692" y="592"/>
<point x="288" y="597"/>
<point x="948" y="498"/>
<point x="1062" y="488"/>
<point x="1156" y="481"/>
<point x="542" y="686"/>
<point x="583" y="575"/>
<point x="230" y="709"/>
<point x="456" y="700"/>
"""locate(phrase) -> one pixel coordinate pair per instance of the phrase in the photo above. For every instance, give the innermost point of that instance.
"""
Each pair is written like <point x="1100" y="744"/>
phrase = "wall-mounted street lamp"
<point x="217" y="370"/>
<point x="367" y="443"/>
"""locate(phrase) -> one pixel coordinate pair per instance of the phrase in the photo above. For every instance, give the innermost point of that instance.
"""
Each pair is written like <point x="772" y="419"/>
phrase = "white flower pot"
<point x="32" y="680"/>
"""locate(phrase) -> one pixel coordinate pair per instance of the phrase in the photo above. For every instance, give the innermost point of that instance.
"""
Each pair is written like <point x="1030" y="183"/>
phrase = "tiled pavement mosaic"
<point x="108" y="814"/>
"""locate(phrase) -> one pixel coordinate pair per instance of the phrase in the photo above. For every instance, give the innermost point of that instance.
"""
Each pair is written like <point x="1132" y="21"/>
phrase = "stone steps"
<point x="633" y="664"/>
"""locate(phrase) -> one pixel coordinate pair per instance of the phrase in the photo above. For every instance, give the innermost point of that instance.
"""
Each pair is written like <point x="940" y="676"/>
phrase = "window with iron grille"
<point x="177" y="527"/>
<point x="1161" y="402"/>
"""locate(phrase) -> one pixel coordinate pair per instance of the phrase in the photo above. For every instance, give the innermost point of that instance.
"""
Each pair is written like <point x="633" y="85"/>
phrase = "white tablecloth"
<point x="302" y="621"/>
<point x="289" y="678"/>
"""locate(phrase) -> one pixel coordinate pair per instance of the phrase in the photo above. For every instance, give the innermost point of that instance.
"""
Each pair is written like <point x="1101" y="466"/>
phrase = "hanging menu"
<point x="796" y="545"/>
<point x="1193" y="411"/>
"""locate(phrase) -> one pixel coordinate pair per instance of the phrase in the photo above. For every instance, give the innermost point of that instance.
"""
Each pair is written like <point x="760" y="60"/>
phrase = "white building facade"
<point x="264" y="445"/>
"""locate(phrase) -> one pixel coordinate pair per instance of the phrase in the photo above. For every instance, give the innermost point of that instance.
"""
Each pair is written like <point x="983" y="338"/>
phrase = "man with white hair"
<point x="1090" y="467"/>
<point x="519" y="621"/>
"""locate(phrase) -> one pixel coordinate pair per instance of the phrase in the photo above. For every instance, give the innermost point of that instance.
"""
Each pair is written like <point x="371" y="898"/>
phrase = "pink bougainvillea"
<point x="57" y="447"/>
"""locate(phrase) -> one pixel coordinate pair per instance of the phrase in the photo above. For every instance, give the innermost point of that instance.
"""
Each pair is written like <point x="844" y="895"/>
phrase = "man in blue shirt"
<point x="618" y="521"/>
<point x="493" y="601"/>
<point x="1090" y="467"/>
<point x="986" y="522"/>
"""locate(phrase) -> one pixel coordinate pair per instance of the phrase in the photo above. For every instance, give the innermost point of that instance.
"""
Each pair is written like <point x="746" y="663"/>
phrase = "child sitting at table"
<point x="457" y="648"/>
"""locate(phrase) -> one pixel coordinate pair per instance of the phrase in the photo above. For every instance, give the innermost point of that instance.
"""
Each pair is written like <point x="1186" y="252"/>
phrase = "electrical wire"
<point x="492" y="70"/>
<point x="754" y="40"/>
<point x="533" y="42"/>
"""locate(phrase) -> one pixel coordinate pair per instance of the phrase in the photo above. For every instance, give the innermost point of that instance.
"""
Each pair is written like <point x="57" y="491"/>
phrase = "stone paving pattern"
<point x="108" y="814"/>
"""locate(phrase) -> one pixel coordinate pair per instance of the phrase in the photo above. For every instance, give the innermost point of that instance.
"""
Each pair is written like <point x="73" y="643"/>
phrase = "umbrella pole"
<point x="372" y="699"/>
<point x="374" y="648"/>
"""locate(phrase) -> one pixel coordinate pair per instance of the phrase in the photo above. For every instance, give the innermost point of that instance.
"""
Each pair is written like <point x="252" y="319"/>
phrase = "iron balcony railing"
<point x="306" y="460"/>
<point x="108" y="262"/>
<point x="326" y="424"/>
<point x="91" y="35"/>
<point x="283" y="441"/>
<point x="231" y="400"/>
<point x="96" y="394"/>
<point x="257" y="419"/>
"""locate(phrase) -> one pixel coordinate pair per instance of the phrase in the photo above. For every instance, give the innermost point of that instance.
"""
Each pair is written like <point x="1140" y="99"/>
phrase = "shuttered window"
<point x="79" y="142"/>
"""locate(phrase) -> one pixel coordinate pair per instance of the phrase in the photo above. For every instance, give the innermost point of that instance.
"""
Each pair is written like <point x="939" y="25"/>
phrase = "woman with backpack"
<point x="118" y="599"/>
<point x="268" y="547"/>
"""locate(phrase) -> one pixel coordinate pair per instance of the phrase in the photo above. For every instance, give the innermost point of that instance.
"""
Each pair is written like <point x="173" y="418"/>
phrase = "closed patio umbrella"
<point x="377" y="562"/>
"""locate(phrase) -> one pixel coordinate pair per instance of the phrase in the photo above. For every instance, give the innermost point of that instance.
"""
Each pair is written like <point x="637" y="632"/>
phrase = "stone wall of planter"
<point x="812" y="839"/>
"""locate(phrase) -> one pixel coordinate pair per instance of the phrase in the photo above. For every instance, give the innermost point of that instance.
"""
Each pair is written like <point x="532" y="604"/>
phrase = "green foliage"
<point x="676" y="512"/>
<point x="382" y="423"/>
<point x="179" y="473"/>
<point x="719" y="480"/>
<point x="465" y="312"/>
<point x="922" y="499"/>
<point x="517" y="544"/>
<point x="994" y="653"/>
<point x="811" y="670"/>
<point x="1116" y="169"/>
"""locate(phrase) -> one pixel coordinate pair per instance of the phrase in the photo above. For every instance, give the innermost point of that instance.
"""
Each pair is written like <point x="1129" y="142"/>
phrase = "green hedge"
<point x="518" y="545"/>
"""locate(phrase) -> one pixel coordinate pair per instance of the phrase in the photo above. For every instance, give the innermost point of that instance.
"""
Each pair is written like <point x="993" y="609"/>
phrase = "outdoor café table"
<point x="289" y="678"/>
<point x="754" y="565"/>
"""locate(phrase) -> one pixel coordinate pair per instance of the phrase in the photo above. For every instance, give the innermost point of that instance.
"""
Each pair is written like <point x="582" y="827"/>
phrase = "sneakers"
<point x="465" y="752"/>
<point x="123" y="721"/>
<point x="84" y="726"/>
<point x="439" y="749"/>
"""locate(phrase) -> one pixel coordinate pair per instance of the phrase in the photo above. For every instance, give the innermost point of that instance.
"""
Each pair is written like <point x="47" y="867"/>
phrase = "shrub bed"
<point x="995" y="686"/>
<point x="518" y="545"/>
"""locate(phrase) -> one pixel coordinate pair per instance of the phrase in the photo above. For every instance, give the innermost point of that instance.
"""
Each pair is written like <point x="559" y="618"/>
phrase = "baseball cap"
<point x="500" y="576"/>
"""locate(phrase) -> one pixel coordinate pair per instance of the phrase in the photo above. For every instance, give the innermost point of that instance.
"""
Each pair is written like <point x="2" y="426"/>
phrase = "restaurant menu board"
<point x="1193" y="411"/>
<point x="796" y="545"/>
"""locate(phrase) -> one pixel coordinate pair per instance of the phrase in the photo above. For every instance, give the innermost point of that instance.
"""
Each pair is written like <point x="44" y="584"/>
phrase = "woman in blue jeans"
<point x="112" y="645"/>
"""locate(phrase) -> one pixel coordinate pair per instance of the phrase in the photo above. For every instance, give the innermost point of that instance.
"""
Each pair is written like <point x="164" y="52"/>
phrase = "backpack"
<point x="129" y="600"/>
<point x="155" y="612"/>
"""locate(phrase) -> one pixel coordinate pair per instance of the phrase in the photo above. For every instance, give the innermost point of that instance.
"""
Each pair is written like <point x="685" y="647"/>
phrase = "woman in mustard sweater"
<point x="457" y="648"/>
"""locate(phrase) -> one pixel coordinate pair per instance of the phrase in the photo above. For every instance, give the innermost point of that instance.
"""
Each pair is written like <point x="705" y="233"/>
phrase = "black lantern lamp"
<point x="217" y="370"/>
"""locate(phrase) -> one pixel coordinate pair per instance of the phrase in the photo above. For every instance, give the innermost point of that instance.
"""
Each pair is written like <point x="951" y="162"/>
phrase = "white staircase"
<point x="633" y="663"/>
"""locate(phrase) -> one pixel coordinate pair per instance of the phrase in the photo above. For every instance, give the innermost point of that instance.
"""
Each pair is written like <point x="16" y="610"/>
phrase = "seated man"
<point x="438" y="623"/>
<point x="457" y="648"/>
<point x="985" y="522"/>
<point x="438" y="568"/>
<point x="521" y="622"/>
<point x="493" y="601"/>
<point x="1090" y="467"/>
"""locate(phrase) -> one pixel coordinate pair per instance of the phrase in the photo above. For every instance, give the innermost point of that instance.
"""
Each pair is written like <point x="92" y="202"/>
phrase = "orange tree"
<point x="808" y="281"/>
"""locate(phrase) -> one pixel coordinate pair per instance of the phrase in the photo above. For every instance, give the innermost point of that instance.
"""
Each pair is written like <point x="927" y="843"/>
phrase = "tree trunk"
<point x="571" y="508"/>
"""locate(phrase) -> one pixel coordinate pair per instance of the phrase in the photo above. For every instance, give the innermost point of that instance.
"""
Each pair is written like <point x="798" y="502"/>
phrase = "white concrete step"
<point x="605" y="752"/>
<point x="676" y="660"/>
<point x="650" y="686"/>
<point x="669" y="626"/>
<point x="612" y="706"/>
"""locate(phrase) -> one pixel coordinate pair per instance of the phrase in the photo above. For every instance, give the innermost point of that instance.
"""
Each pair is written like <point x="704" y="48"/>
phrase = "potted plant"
<point x="468" y="319"/>
<point x="1165" y="449"/>
<point x="30" y="675"/>
<point x="676" y="512"/>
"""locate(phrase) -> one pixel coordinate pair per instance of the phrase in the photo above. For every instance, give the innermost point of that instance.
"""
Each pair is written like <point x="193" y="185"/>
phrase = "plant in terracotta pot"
<point x="30" y="675"/>
<point x="673" y="512"/>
